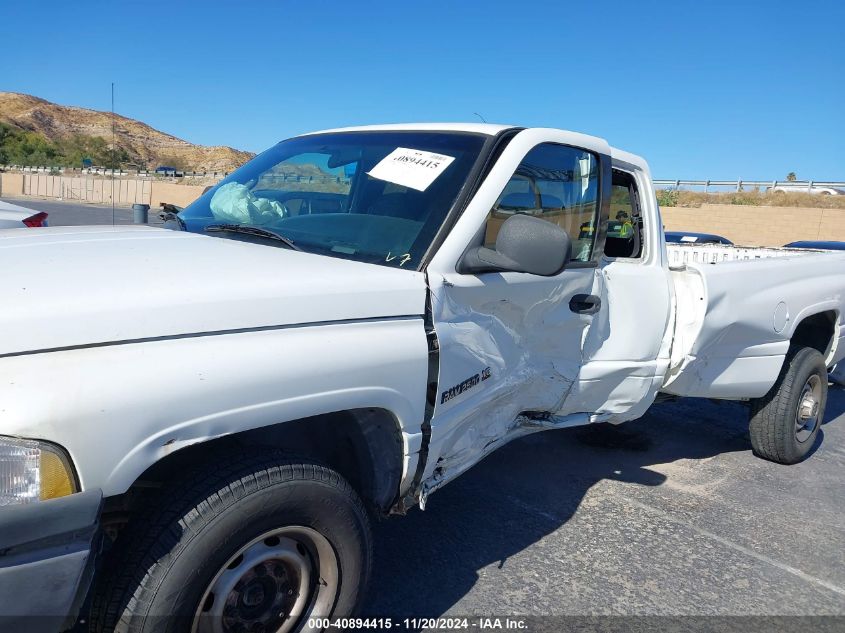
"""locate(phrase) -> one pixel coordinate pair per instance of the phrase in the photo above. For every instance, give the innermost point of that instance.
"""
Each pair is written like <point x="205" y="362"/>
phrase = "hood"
<point x="71" y="286"/>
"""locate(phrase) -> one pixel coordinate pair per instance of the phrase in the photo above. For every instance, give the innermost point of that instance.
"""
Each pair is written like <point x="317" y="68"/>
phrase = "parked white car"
<point x="203" y="420"/>
<point x="799" y="188"/>
<point x="13" y="216"/>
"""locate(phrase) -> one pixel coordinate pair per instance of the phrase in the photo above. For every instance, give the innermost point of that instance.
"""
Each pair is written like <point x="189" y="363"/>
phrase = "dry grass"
<point x="672" y="198"/>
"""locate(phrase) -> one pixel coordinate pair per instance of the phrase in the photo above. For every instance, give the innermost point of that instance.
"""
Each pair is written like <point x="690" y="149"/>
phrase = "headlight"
<point x="32" y="470"/>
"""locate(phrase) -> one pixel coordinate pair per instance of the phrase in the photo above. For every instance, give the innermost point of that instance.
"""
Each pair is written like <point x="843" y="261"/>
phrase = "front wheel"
<point x="265" y="545"/>
<point x="785" y="423"/>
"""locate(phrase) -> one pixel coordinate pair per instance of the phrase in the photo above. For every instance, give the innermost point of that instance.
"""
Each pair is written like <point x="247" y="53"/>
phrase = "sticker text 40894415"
<point x="412" y="168"/>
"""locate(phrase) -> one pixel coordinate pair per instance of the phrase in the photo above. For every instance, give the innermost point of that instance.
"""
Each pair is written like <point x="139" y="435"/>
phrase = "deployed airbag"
<point x="234" y="202"/>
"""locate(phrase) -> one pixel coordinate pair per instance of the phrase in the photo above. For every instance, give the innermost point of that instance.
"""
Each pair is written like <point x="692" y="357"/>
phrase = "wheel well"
<point x="816" y="331"/>
<point x="363" y="445"/>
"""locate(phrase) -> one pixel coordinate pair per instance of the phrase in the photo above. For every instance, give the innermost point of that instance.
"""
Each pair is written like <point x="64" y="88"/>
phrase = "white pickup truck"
<point x="198" y="424"/>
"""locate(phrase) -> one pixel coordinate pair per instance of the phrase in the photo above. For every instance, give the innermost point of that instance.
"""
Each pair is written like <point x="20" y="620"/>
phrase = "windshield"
<point x="377" y="197"/>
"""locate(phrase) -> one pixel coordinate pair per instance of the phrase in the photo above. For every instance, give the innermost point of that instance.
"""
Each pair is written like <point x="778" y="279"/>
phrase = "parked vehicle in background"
<point x="680" y="237"/>
<point x="13" y="216"/>
<point x="203" y="421"/>
<point x="817" y="245"/>
<point x="169" y="214"/>
<point x="799" y="188"/>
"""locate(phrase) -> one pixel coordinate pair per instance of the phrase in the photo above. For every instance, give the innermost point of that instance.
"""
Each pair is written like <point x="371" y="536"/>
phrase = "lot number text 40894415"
<point x="416" y="624"/>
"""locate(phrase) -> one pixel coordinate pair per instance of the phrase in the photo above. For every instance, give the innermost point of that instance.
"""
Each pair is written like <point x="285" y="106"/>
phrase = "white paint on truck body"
<point x="549" y="367"/>
<point x="740" y="310"/>
<point x="126" y="344"/>
<point x="123" y="344"/>
<point x="89" y="285"/>
<point x="12" y="216"/>
<point x="118" y="409"/>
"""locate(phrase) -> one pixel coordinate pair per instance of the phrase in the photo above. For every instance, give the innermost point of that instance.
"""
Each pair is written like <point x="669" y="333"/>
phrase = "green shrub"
<point x="667" y="197"/>
<point x="20" y="147"/>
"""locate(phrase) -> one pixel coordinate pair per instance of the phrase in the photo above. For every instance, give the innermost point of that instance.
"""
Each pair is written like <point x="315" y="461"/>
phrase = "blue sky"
<point x="719" y="89"/>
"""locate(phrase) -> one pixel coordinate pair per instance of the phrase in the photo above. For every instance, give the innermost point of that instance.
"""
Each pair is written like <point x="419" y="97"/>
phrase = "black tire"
<point x="164" y="564"/>
<point x="774" y="426"/>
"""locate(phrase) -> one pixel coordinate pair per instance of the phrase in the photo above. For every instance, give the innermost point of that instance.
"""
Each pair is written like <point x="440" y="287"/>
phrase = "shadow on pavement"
<point x="835" y="403"/>
<point x="427" y="561"/>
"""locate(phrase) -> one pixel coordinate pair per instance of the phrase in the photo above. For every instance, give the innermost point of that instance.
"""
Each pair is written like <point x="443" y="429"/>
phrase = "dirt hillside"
<point x="144" y="146"/>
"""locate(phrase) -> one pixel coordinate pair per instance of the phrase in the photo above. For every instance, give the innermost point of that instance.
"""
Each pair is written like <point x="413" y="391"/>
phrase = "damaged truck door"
<point x="511" y="342"/>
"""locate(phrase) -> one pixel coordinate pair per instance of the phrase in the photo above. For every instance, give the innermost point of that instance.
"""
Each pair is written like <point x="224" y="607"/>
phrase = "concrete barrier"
<point x="758" y="226"/>
<point x="180" y="195"/>
<point x="11" y="184"/>
<point x="84" y="188"/>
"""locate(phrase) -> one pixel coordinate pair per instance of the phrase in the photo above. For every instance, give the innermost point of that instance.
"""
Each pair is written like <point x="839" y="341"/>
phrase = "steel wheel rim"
<point x="807" y="414"/>
<point x="271" y="585"/>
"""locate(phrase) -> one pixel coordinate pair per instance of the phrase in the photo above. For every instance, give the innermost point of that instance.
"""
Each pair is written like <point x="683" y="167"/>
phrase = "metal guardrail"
<point x="796" y="185"/>
<point x="104" y="171"/>
<point x="738" y="185"/>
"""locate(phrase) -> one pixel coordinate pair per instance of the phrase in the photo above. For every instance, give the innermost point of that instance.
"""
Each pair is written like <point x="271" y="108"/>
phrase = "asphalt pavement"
<point x="65" y="213"/>
<point x="669" y="515"/>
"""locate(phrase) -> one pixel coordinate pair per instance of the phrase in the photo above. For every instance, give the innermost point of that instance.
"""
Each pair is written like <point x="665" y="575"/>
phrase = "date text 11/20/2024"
<point x="416" y="624"/>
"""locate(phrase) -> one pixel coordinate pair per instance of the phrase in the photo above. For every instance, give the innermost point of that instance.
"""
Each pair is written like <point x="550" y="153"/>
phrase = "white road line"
<point x="739" y="548"/>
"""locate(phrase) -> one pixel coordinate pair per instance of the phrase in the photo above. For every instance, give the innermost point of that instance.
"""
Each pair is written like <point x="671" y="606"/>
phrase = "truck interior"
<point x="625" y="225"/>
<point x="558" y="185"/>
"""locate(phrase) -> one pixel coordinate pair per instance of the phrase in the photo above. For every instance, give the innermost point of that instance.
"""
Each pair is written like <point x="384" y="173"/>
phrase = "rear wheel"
<point x="785" y="422"/>
<point x="263" y="545"/>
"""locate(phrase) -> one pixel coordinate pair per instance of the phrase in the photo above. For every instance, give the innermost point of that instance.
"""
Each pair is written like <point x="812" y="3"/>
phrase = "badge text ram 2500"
<point x="201" y="422"/>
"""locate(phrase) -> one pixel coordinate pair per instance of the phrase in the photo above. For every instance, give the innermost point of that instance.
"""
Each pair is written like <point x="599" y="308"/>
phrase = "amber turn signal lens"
<point x="56" y="475"/>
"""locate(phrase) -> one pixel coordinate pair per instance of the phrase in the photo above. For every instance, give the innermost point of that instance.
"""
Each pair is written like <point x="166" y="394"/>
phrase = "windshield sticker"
<point x="688" y="238"/>
<point x="412" y="168"/>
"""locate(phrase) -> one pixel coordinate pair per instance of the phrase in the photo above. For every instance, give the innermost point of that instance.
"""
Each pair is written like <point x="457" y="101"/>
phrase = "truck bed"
<point x="736" y="309"/>
<point x="681" y="254"/>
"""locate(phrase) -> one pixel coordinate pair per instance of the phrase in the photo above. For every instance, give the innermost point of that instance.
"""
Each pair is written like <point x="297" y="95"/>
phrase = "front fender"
<point x="119" y="409"/>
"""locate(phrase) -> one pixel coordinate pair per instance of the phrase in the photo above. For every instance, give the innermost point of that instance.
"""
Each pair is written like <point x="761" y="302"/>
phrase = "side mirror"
<point x="525" y="244"/>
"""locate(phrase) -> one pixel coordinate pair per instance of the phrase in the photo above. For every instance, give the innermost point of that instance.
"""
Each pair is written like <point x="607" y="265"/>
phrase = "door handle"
<point x="585" y="304"/>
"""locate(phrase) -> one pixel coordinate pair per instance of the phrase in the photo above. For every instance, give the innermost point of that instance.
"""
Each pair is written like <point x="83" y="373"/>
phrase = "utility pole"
<point x="112" y="153"/>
